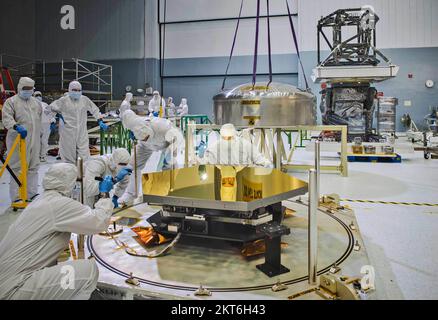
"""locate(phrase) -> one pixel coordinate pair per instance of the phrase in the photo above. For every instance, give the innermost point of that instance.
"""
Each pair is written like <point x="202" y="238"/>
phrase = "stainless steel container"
<point x="279" y="105"/>
<point x="386" y="115"/>
<point x="387" y="149"/>
<point x="368" y="149"/>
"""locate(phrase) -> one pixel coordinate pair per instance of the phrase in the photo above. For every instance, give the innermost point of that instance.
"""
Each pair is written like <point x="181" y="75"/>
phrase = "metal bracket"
<point x="356" y="246"/>
<point x="201" y="291"/>
<point x="334" y="269"/>
<point x="132" y="281"/>
<point x="279" y="286"/>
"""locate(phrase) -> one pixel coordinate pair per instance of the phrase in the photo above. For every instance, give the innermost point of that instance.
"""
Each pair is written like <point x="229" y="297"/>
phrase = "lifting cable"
<point x="232" y="47"/>
<point x="296" y="44"/>
<point x="256" y="46"/>
<point x="254" y="74"/>
<point x="269" y="44"/>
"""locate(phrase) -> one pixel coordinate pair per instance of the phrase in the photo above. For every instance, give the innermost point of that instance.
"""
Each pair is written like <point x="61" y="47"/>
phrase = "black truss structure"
<point x="359" y="49"/>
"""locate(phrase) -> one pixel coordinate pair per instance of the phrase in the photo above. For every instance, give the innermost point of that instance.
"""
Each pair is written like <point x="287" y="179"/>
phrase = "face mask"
<point x="40" y="99"/>
<point x="26" y="94"/>
<point x="75" y="95"/>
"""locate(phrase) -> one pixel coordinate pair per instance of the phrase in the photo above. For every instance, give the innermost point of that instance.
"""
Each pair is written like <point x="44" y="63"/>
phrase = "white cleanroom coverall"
<point x="46" y="119"/>
<point x="183" y="108"/>
<point x="29" y="251"/>
<point x="162" y="136"/>
<point x="26" y="113"/>
<point x="102" y="166"/>
<point x="233" y="151"/>
<point x="170" y="108"/>
<point x="154" y="103"/>
<point x="126" y="104"/>
<point x="73" y="135"/>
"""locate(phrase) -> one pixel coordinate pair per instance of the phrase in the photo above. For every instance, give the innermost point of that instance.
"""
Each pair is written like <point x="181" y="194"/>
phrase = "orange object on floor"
<point x="149" y="237"/>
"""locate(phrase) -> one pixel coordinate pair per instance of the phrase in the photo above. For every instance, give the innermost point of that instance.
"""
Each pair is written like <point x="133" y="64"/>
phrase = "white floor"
<point x="402" y="241"/>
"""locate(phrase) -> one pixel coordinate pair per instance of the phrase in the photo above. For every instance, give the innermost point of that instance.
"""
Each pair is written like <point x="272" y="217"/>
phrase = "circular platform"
<point x="218" y="265"/>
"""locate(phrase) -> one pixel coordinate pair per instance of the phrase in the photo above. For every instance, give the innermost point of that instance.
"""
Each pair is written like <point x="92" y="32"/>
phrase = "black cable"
<point x="256" y="47"/>
<point x="296" y="44"/>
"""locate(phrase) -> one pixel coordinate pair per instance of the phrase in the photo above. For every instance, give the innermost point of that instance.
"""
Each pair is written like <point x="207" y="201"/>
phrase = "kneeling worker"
<point x="29" y="251"/>
<point x="114" y="165"/>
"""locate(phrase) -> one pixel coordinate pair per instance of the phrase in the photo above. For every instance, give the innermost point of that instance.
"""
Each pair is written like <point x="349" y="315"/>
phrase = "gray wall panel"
<point x="17" y="25"/>
<point x="105" y="29"/>
<point x="134" y="72"/>
<point x="281" y="63"/>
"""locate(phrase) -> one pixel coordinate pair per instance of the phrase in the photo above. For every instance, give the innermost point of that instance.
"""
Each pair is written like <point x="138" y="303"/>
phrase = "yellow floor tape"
<point x="419" y="204"/>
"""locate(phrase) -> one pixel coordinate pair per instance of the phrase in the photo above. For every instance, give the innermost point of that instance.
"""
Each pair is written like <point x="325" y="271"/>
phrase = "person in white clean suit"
<point x="73" y="136"/>
<point x="29" y="251"/>
<point x="115" y="165"/>
<point x="157" y="103"/>
<point x="233" y="150"/>
<point x="47" y="123"/>
<point x="21" y="115"/>
<point x="154" y="134"/>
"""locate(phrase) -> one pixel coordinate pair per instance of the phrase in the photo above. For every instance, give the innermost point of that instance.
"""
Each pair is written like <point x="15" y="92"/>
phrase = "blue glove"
<point x="60" y="117"/>
<point x="102" y="125"/>
<point x="131" y="135"/>
<point x="53" y="127"/>
<point x="123" y="173"/>
<point x="21" y="130"/>
<point x="106" y="185"/>
<point x="201" y="149"/>
<point x="156" y="114"/>
<point x="116" y="204"/>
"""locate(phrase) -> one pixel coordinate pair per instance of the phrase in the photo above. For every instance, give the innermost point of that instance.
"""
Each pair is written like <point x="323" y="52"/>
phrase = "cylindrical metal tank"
<point x="279" y="105"/>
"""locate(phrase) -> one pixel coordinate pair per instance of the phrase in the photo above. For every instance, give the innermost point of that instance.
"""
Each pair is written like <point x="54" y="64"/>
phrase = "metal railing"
<point x="115" y="137"/>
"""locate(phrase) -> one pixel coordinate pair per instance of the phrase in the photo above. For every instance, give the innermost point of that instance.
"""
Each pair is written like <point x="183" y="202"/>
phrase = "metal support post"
<point x="278" y="153"/>
<point x="313" y="228"/>
<point x="318" y="165"/>
<point x="81" y="237"/>
<point x="135" y="169"/>
<point x="344" y="150"/>
<point x="188" y="136"/>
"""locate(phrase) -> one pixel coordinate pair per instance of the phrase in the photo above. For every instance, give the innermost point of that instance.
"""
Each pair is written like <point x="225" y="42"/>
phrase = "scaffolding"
<point x="96" y="79"/>
<point x="53" y="78"/>
<point x="19" y="66"/>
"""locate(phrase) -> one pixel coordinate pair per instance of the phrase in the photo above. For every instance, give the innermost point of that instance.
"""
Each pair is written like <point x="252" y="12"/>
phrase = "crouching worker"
<point x="29" y="251"/>
<point x="114" y="165"/>
<point x="154" y="135"/>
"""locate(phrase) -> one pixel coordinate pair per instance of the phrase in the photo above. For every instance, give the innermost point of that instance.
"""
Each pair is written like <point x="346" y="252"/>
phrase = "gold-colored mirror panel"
<point x="225" y="183"/>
